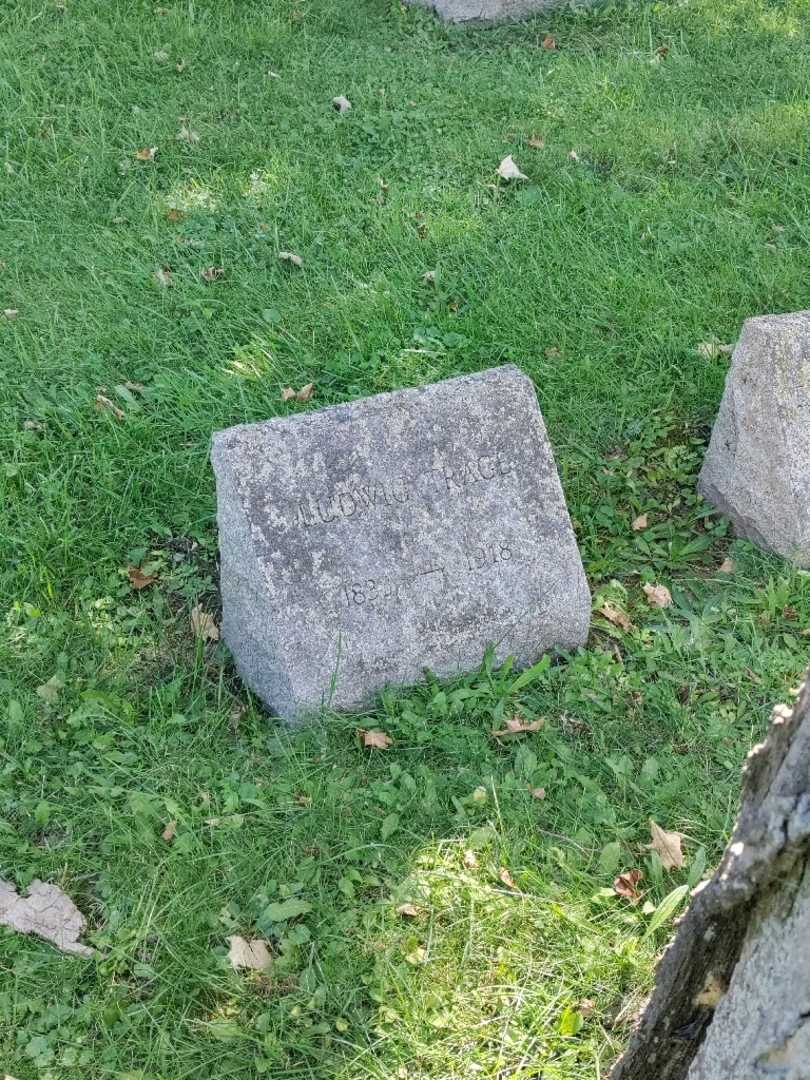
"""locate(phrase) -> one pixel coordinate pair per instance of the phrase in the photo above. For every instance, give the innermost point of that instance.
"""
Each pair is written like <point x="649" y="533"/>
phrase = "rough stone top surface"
<point x="365" y="542"/>
<point x="757" y="467"/>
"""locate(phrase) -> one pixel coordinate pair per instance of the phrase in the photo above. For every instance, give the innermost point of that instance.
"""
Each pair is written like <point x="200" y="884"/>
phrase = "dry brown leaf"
<point x="45" y="911"/>
<point x="146" y="153"/>
<point x="711" y="994"/>
<point x="470" y="859"/>
<point x="163" y="276"/>
<point x="710" y="350"/>
<point x="639" y="523"/>
<point x="506" y="878"/>
<point x="586" y="1007"/>
<point x="549" y="42"/>
<point x="185" y="134"/>
<point x="538" y="792"/>
<point x="537" y="142"/>
<point x="287" y="394"/>
<point x="10" y="312"/>
<point x="376" y="740"/>
<point x="667" y="845"/>
<point x="306" y="392"/>
<point x="203" y="625"/>
<point x="410" y="911"/>
<point x="212" y="273"/>
<point x="341" y="104"/>
<point x="516" y="725"/>
<point x="50" y="690"/>
<point x="103" y="403"/>
<point x="508" y="170"/>
<point x="252" y="954"/>
<point x="626" y="885"/>
<point x="658" y="595"/>
<point x="138" y="579"/>
<point x="169" y="831"/>
<point x="614" y="615"/>
<point x="726" y="567"/>
<point x="291" y="257"/>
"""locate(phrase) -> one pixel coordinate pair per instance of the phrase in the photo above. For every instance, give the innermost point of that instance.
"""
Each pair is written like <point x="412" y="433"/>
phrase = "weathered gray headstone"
<point x="486" y="11"/>
<point x="757" y="467"/>
<point x="363" y="543"/>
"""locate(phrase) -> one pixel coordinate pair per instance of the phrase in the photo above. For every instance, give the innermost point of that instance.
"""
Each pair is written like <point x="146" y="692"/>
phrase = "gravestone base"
<point x="487" y="11"/>
<point x="363" y="543"/>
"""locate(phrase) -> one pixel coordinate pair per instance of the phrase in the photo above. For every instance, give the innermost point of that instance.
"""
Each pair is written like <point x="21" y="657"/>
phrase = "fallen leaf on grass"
<point x="50" y="690"/>
<point x="710" y="350"/>
<point x="10" y="312"/>
<point x="173" y="214"/>
<point x="103" y="402"/>
<point x="573" y="155"/>
<point x="163" y="276"/>
<point x="658" y="595"/>
<point x="375" y="740"/>
<point x="507" y="879"/>
<point x="252" y="954"/>
<point x="586" y="1007"/>
<point x="341" y="104"/>
<point x="516" y="725"/>
<point x="726" y="567"/>
<point x="410" y="911"/>
<point x="203" y="625"/>
<point x="639" y="523"/>
<point x="45" y="911"/>
<point x="146" y="153"/>
<point x="185" y="134"/>
<point x="470" y="859"/>
<point x="538" y="793"/>
<point x="614" y="615"/>
<point x="626" y="885"/>
<point x="537" y="142"/>
<point x="429" y="276"/>
<point x="291" y="257"/>
<point x="169" y="831"/>
<point x="304" y="394"/>
<point x="508" y="170"/>
<point x="549" y="42"/>
<point x="33" y="425"/>
<point x="138" y="579"/>
<point x="212" y="273"/>
<point x="667" y="845"/>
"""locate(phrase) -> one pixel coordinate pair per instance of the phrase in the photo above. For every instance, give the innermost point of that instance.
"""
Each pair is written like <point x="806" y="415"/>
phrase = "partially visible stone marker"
<point x="757" y="467"/>
<point x="486" y="11"/>
<point x="363" y="543"/>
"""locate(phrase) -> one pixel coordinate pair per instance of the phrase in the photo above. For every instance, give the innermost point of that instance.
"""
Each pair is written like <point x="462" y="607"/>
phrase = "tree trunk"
<point x="732" y="993"/>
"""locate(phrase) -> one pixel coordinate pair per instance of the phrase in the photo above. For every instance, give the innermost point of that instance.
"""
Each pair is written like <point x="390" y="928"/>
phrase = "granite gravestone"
<point x="363" y="543"/>
<point x="757" y="467"/>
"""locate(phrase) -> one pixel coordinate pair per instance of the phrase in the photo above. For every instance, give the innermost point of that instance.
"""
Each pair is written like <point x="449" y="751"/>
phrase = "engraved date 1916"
<point x="376" y="591"/>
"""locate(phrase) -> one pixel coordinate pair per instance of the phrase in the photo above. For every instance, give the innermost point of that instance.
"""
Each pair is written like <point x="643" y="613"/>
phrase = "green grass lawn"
<point x="682" y="210"/>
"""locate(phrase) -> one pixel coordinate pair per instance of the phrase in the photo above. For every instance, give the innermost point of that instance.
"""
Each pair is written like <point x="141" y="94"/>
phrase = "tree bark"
<point x="732" y="993"/>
